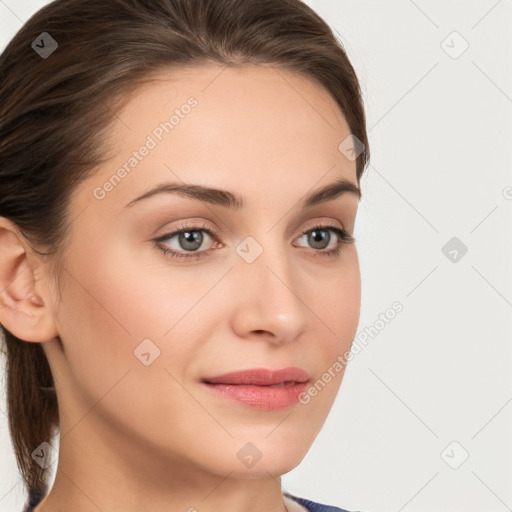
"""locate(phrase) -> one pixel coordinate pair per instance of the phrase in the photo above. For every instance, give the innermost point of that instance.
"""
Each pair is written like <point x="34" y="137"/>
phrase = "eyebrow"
<point x="230" y="200"/>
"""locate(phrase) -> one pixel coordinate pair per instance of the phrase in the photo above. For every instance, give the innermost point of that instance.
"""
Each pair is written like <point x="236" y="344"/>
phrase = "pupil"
<point x="319" y="236"/>
<point x="191" y="240"/>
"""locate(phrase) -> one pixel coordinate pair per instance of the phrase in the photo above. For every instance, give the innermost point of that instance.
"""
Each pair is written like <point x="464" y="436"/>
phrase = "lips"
<point x="260" y="388"/>
<point x="261" y="377"/>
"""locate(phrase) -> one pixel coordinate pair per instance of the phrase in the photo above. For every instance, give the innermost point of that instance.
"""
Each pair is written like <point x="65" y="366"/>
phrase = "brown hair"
<point x="54" y="112"/>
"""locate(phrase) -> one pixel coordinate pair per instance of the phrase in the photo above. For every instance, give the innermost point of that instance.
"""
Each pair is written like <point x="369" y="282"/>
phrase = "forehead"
<point x="250" y="127"/>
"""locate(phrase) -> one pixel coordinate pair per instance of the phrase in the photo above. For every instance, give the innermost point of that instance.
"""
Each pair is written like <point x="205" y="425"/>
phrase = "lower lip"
<point x="267" y="398"/>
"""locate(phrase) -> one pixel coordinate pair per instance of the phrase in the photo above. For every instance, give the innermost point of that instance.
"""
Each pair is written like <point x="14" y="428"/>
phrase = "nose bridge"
<point x="264" y="261"/>
<point x="269" y="286"/>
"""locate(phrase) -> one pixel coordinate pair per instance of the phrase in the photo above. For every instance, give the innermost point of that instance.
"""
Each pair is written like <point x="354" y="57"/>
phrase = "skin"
<point x="136" y="437"/>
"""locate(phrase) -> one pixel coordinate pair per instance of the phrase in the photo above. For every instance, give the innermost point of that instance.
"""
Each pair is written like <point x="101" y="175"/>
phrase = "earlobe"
<point x="23" y="310"/>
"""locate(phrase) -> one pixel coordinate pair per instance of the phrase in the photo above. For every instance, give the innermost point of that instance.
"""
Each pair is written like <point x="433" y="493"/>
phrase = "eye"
<point x="190" y="238"/>
<point x="320" y="238"/>
<point x="186" y="239"/>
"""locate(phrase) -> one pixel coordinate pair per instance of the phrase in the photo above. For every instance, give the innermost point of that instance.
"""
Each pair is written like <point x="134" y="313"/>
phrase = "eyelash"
<point x="343" y="239"/>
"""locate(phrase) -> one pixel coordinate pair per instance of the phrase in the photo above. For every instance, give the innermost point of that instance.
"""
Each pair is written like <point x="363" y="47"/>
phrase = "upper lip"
<point x="260" y="376"/>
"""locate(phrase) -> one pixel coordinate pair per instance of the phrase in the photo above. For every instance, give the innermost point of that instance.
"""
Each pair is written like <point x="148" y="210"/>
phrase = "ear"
<point x="23" y="310"/>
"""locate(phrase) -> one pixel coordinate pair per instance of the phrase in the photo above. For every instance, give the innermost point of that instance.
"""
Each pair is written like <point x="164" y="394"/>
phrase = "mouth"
<point x="260" y="388"/>
<point x="261" y="377"/>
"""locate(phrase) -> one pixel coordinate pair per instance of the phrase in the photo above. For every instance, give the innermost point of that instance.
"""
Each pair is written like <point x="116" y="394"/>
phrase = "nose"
<point x="270" y="298"/>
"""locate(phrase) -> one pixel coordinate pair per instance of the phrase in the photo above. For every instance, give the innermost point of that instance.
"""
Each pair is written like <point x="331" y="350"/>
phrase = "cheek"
<point x="337" y="306"/>
<point x="336" y="300"/>
<point x="109" y="306"/>
<point x="117" y="301"/>
<point x="136" y="291"/>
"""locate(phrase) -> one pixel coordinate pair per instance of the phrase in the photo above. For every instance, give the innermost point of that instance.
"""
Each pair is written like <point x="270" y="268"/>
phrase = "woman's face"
<point x="140" y="329"/>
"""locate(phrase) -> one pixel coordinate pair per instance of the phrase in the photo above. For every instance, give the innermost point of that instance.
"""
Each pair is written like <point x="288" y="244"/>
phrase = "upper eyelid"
<point x="213" y="233"/>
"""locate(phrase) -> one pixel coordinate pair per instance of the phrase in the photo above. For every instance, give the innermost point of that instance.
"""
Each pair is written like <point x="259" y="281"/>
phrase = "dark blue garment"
<point x="312" y="506"/>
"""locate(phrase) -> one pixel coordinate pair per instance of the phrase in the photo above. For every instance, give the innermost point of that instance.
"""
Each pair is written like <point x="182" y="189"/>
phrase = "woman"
<point x="179" y="184"/>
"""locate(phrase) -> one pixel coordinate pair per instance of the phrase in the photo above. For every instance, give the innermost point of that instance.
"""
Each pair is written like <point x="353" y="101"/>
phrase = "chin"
<point x="266" y="469"/>
<point x="276" y="457"/>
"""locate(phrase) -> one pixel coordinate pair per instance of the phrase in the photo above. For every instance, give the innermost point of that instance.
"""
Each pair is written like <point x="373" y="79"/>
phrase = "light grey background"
<point x="433" y="385"/>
